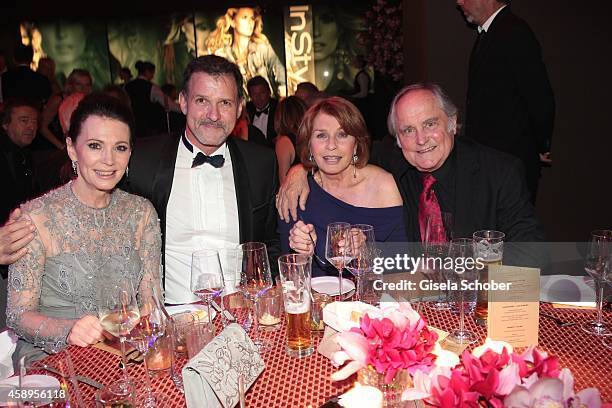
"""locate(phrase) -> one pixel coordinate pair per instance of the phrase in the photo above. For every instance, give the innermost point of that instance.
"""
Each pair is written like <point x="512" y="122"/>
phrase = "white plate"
<point x="34" y="380"/>
<point x="568" y="290"/>
<point x="193" y="307"/>
<point x="329" y="285"/>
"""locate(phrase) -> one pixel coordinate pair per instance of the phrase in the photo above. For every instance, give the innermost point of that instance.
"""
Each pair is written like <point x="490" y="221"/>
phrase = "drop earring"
<point x="127" y="172"/>
<point x="355" y="157"/>
<point x="74" y="168"/>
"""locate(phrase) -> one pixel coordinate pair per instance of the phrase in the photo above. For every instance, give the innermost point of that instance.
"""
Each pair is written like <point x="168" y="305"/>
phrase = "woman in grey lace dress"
<point x="87" y="231"/>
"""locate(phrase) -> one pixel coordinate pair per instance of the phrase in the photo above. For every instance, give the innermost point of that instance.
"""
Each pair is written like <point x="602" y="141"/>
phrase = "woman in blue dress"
<point x="333" y="142"/>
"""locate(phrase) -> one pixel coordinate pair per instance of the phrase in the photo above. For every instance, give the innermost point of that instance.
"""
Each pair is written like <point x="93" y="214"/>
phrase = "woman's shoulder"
<point x="382" y="182"/>
<point x="47" y="201"/>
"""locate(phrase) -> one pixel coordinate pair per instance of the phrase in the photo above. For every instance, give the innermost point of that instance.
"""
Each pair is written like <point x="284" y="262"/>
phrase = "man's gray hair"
<point x="446" y="104"/>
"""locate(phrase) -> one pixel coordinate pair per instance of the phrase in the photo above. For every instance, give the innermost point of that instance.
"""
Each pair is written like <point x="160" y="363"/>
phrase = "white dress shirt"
<point x="261" y="121"/>
<point x="487" y="24"/>
<point x="202" y="213"/>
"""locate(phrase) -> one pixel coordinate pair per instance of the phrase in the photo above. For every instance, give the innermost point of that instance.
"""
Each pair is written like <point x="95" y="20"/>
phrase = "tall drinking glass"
<point x="152" y="325"/>
<point x="459" y="250"/>
<point x="206" y="276"/>
<point x="337" y="248"/>
<point x="489" y="246"/>
<point x="119" y="314"/>
<point x="362" y="251"/>
<point x="295" y="272"/>
<point x="255" y="281"/>
<point x="597" y="264"/>
<point x="438" y="233"/>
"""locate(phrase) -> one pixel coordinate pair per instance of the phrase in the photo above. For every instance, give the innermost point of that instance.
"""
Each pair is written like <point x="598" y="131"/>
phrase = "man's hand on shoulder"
<point x="294" y="190"/>
<point x="15" y="234"/>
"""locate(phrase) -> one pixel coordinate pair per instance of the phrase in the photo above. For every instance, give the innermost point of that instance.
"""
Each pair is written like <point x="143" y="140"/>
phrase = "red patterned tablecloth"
<point x="292" y="382"/>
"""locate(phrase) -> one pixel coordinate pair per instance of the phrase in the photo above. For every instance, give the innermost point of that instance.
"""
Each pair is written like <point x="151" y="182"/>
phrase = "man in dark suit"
<point x="482" y="188"/>
<point x="22" y="82"/>
<point x="510" y="103"/>
<point x="210" y="191"/>
<point x="261" y="108"/>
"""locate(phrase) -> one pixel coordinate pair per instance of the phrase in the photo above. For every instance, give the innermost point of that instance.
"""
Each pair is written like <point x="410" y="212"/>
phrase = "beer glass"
<point x="295" y="279"/>
<point x="489" y="246"/>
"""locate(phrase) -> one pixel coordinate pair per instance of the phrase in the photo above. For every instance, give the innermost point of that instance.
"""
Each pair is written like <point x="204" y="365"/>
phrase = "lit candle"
<point x="362" y="396"/>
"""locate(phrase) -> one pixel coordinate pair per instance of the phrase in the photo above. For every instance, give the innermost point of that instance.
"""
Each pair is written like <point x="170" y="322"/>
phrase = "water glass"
<point x="181" y="323"/>
<point x="269" y="312"/>
<point x="160" y="357"/>
<point x="598" y="264"/>
<point x="198" y="335"/>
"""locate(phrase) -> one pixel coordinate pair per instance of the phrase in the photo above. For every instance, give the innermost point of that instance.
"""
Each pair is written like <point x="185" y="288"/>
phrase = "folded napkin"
<point x="211" y="377"/>
<point x="8" y="342"/>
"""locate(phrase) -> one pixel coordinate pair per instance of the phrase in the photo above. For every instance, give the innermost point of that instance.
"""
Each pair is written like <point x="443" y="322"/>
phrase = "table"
<point x="291" y="382"/>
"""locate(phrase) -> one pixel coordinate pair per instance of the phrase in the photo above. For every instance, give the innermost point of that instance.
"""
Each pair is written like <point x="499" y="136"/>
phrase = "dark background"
<point x="575" y="194"/>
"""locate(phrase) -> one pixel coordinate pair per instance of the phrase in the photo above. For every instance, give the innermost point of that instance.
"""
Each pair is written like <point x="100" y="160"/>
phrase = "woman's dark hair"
<point x="144" y="66"/>
<point x="350" y="120"/>
<point x="288" y="116"/>
<point x="105" y="106"/>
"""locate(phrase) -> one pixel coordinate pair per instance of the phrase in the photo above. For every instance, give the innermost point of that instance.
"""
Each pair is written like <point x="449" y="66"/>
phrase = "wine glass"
<point x="337" y="248"/>
<point x="119" y="314"/>
<point x="438" y="233"/>
<point x="598" y="265"/>
<point x="206" y="276"/>
<point x="255" y="281"/>
<point x="362" y="251"/>
<point x="152" y="325"/>
<point x="462" y="248"/>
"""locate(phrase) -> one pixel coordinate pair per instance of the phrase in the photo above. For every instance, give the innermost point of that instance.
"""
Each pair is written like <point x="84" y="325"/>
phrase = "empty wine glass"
<point x="362" y="251"/>
<point x="438" y="233"/>
<point x="598" y="264"/>
<point x="255" y="281"/>
<point x="337" y="248"/>
<point x="206" y="276"/>
<point x="119" y="314"/>
<point x="460" y="249"/>
<point x="152" y="325"/>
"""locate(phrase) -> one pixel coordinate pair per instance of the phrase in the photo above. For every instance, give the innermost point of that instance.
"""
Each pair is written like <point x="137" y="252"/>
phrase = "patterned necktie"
<point x="429" y="206"/>
<point x="215" y="161"/>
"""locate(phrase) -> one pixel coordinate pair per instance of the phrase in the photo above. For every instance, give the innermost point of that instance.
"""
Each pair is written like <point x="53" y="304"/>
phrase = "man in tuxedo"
<point x="437" y="172"/>
<point x="510" y="103"/>
<point x="22" y="82"/>
<point x="210" y="191"/>
<point x="261" y="107"/>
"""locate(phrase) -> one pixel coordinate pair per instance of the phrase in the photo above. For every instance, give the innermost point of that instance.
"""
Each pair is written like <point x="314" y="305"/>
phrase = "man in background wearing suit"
<point x="210" y="191"/>
<point x="22" y="82"/>
<point x="261" y="108"/>
<point x="510" y="103"/>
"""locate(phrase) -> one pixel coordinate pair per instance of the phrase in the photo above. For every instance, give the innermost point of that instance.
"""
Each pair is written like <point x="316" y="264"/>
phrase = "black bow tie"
<point x="215" y="161"/>
<point x="266" y="111"/>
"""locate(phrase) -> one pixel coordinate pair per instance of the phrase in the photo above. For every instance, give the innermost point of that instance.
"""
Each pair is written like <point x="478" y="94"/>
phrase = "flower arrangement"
<point x="397" y="340"/>
<point x="383" y="38"/>
<point x="495" y="376"/>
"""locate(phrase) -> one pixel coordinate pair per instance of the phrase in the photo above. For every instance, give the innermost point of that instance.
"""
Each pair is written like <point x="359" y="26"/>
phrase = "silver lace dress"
<point x="75" y="248"/>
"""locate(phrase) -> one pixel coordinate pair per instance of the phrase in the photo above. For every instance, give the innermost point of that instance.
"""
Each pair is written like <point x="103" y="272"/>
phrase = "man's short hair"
<point x="258" y="80"/>
<point x="14" y="103"/>
<point x="23" y="54"/>
<point x="446" y="104"/>
<point x="307" y="87"/>
<point x="213" y="65"/>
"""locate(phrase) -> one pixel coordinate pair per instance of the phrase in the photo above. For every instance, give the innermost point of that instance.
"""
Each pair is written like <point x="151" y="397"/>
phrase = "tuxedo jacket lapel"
<point x="164" y="175"/>
<point x="241" y="183"/>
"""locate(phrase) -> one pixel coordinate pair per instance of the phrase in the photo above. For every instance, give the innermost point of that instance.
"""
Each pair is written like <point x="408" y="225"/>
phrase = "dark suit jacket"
<point x="255" y="176"/>
<point x="270" y="133"/>
<point x="510" y="103"/>
<point x="490" y="192"/>
<point x="24" y="83"/>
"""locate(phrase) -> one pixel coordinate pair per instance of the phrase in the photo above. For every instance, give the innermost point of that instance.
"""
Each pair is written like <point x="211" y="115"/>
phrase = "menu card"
<point x="514" y="310"/>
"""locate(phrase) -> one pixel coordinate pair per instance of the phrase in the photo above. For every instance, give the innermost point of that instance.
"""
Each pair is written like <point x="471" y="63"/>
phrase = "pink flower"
<point x="549" y="392"/>
<point x="355" y="348"/>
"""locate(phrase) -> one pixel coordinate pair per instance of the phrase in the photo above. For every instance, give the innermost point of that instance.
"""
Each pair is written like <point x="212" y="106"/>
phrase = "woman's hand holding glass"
<point x="86" y="331"/>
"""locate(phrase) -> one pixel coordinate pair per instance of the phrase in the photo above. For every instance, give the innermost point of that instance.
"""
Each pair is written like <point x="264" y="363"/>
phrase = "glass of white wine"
<point x="337" y="249"/>
<point x="119" y="314"/>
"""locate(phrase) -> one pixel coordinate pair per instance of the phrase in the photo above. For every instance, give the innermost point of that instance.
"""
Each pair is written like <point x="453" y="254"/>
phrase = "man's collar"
<point x="487" y="24"/>
<point x="194" y="149"/>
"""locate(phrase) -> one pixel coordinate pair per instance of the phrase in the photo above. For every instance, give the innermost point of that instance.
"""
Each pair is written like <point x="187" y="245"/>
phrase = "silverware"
<point x="224" y="313"/>
<point x="79" y="378"/>
<point x="560" y="323"/>
<point x="321" y="262"/>
<point x="241" y="395"/>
